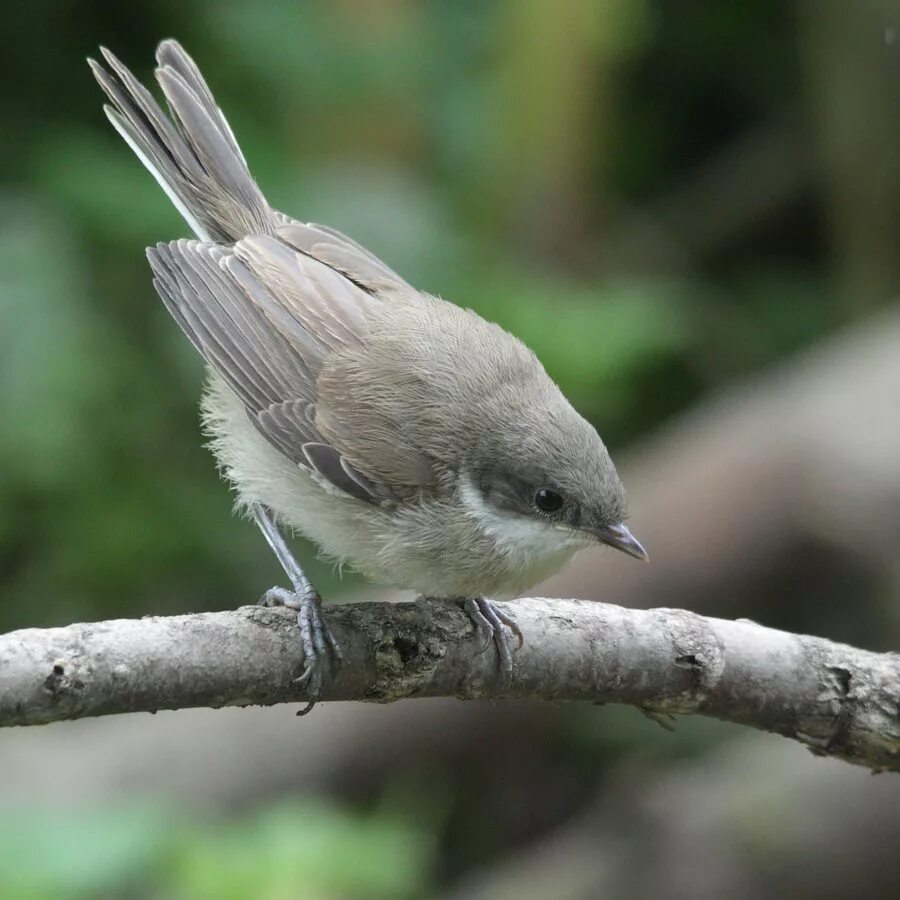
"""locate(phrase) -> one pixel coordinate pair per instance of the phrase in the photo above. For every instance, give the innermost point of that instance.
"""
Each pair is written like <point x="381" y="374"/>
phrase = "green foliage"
<point x="291" y="850"/>
<point x="48" y="351"/>
<point x="311" y="850"/>
<point x="50" y="852"/>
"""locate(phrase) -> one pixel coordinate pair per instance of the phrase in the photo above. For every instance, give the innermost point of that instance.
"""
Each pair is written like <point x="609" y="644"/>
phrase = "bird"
<point x="402" y="434"/>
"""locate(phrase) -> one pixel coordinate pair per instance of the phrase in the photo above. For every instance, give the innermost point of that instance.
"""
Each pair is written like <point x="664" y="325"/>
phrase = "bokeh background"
<point x="691" y="210"/>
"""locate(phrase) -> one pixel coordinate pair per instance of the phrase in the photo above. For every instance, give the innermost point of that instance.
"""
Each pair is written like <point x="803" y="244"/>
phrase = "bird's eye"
<point x="548" y="501"/>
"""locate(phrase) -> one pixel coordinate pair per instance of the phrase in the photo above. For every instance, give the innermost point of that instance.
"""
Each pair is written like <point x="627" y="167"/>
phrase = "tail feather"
<point x="193" y="155"/>
<point x="207" y="141"/>
<point x="170" y="54"/>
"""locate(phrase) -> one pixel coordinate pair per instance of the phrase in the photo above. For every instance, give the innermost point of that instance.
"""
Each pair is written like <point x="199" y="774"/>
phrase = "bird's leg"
<point x="498" y="627"/>
<point x="315" y="635"/>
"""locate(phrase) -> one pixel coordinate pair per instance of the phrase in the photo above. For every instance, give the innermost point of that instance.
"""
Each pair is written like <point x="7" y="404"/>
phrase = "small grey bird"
<point x="404" y="435"/>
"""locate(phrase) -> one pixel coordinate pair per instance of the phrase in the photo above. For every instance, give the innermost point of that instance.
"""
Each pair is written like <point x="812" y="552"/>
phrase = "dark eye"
<point x="547" y="501"/>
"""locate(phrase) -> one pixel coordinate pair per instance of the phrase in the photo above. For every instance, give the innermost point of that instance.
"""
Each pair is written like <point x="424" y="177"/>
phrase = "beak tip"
<point x="620" y="538"/>
<point x="638" y="553"/>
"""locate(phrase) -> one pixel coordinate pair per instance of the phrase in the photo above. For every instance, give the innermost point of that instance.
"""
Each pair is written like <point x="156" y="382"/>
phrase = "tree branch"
<point x="837" y="700"/>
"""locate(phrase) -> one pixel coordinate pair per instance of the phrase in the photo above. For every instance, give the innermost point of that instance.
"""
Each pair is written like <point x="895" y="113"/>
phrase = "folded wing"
<point x="267" y="318"/>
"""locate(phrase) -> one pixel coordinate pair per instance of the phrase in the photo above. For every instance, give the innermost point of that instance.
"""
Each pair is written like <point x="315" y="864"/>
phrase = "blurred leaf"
<point x="51" y="373"/>
<point x="302" y="850"/>
<point x="290" y="850"/>
<point x="102" y="184"/>
<point x="56" y="853"/>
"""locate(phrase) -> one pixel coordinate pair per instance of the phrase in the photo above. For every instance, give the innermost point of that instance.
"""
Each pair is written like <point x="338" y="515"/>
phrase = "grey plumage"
<point x="402" y="433"/>
<point x="258" y="314"/>
<point x="342" y="254"/>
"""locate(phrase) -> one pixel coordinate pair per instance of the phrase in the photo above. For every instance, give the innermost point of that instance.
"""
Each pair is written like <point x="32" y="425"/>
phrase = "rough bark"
<point x="837" y="700"/>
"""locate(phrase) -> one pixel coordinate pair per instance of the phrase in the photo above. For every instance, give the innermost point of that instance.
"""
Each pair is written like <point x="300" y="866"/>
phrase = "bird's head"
<point x="544" y="474"/>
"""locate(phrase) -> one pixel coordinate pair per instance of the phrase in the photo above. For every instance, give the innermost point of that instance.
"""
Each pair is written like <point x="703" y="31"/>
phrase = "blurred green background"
<point x="659" y="197"/>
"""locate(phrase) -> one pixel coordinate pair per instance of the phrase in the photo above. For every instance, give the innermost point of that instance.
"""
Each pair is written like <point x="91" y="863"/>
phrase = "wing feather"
<point x="341" y="254"/>
<point x="266" y="318"/>
<point x="328" y="462"/>
<point x="203" y="318"/>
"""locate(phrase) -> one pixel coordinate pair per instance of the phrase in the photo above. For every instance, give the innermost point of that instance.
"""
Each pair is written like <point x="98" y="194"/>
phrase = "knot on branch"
<point x="696" y="649"/>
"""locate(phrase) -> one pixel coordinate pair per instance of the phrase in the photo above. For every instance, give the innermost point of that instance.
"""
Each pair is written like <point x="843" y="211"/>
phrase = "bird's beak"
<point x="621" y="538"/>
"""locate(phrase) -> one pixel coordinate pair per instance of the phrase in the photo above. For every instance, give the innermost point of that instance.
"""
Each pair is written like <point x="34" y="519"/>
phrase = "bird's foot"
<point x="315" y="636"/>
<point x="498" y="627"/>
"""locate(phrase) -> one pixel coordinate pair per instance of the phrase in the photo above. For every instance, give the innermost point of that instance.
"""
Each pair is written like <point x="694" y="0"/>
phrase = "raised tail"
<point x="193" y="155"/>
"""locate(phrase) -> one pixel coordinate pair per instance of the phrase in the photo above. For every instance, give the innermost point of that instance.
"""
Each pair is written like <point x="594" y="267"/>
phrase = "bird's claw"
<point x="499" y="628"/>
<point x="315" y="637"/>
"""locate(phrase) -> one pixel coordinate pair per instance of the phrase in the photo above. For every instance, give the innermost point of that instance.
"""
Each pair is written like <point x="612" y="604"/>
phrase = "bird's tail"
<point x="193" y="155"/>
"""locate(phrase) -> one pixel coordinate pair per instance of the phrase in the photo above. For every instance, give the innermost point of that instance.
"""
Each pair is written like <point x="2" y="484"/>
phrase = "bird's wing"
<point x="267" y="318"/>
<point x="341" y="253"/>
